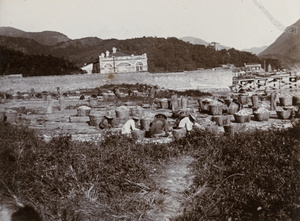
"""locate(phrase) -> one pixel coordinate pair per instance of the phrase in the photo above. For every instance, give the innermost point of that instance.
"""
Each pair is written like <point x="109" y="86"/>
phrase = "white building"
<point x="117" y="62"/>
<point x="252" y="66"/>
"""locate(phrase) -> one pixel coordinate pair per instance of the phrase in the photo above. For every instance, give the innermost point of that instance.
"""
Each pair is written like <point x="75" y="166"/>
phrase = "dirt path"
<point x="172" y="183"/>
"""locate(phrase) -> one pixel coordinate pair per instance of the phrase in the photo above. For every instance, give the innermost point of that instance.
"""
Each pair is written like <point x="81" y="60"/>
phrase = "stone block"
<point x="79" y="119"/>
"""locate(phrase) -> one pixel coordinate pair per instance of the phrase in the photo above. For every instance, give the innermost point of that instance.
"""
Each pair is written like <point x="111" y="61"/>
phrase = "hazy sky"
<point x="235" y="23"/>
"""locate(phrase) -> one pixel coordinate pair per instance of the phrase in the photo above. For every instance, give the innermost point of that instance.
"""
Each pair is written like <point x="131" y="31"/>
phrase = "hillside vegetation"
<point x="172" y="54"/>
<point x="236" y="178"/>
<point x="164" y="55"/>
<point x="15" y="62"/>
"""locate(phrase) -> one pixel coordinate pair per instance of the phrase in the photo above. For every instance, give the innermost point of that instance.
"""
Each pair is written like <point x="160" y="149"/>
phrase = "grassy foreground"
<point x="249" y="177"/>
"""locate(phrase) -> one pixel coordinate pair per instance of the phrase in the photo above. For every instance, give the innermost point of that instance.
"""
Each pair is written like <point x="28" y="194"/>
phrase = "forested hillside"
<point x="164" y="55"/>
<point x="15" y="62"/>
<point x="172" y="54"/>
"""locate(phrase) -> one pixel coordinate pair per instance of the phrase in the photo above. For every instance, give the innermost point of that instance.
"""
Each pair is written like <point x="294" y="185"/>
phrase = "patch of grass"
<point x="252" y="176"/>
<point x="237" y="178"/>
<point x="78" y="180"/>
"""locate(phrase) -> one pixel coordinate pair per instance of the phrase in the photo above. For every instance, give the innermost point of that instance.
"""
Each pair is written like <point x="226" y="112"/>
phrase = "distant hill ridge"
<point x="164" y="54"/>
<point x="198" y="41"/>
<point x="50" y="38"/>
<point x="286" y="48"/>
<point x="256" y="50"/>
<point x="194" y="41"/>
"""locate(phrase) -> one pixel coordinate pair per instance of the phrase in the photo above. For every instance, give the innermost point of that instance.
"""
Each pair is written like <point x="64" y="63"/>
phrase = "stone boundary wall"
<point x="203" y="80"/>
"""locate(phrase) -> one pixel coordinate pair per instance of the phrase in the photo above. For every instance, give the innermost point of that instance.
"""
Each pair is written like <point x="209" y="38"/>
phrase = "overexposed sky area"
<point x="235" y="23"/>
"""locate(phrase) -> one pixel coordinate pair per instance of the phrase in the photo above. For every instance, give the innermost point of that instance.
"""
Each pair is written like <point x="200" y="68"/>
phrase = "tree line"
<point x="172" y="54"/>
<point x="164" y="55"/>
<point x="15" y="62"/>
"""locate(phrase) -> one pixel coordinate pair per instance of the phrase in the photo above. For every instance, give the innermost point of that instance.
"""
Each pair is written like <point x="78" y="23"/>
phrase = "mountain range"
<point x="79" y="51"/>
<point x="198" y="41"/>
<point x="50" y="38"/>
<point x="256" y="50"/>
<point x="87" y="50"/>
<point x="286" y="47"/>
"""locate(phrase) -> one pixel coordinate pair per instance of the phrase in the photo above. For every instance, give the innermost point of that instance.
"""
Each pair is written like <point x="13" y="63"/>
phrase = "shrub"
<point x="250" y="177"/>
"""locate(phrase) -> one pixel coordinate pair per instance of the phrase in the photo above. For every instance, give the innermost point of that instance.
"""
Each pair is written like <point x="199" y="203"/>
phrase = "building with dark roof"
<point x="118" y="62"/>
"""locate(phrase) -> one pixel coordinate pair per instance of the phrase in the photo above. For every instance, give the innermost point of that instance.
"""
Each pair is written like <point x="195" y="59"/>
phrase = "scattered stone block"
<point x="49" y="105"/>
<point x="79" y="119"/>
<point x="184" y="103"/>
<point x="62" y="103"/>
<point x="2" y="115"/>
<point x="174" y="103"/>
<point x="93" y="102"/>
<point x="111" y="96"/>
<point x="15" y="96"/>
<point x="26" y="97"/>
<point x="83" y="111"/>
<point x="44" y="97"/>
<point x="95" y="118"/>
<point x="105" y="95"/>
<point x="164" y="104"/>
<point x="11" y="116"/>
<point x="255" y="100"/>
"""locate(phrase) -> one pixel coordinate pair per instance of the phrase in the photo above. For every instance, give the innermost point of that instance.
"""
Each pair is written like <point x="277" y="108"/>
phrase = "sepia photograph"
<point x="149" y="110"/>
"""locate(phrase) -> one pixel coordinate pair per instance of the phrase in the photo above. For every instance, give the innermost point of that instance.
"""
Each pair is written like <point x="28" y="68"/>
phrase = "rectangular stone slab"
<point x="76" y="119"/>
